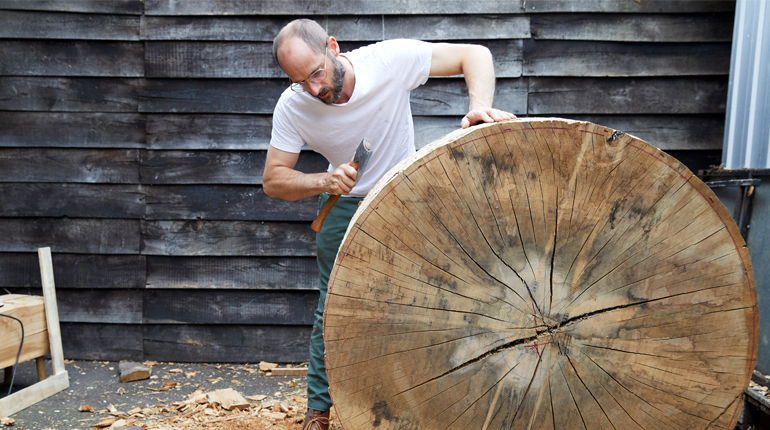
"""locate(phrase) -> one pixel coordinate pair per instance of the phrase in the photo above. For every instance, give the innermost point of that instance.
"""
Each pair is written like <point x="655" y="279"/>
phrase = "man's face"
<point x="337" y="76"/>
<point x="298" y="61"/>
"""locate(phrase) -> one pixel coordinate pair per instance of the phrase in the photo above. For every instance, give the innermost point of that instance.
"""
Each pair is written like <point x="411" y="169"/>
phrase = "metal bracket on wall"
<point x="744" y="197"/>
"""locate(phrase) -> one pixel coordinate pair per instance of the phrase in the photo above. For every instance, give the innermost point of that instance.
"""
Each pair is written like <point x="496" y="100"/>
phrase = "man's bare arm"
<point x="281" y="180"/>
<point x="475" y="63"/>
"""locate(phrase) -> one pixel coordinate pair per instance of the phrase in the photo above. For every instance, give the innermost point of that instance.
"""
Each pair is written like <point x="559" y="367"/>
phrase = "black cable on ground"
<point x="17" y="354"/>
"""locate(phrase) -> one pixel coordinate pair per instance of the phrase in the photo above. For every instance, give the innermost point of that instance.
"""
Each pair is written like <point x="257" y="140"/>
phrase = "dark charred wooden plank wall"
<point x="133" y="137"/>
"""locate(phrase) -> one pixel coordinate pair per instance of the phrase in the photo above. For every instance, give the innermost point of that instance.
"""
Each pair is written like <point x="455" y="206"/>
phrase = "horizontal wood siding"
<point x="701" y="95"/>
<point x="122" y="7"/>
<point x="228" y="343"/>
<point x="71" y="26"/>
<point x="633" y="28"/>
<point x="133" y="136"/>
<point x="259" y="273"/>
<point x="53" y="94"/>
<point x="348" y="28"/>
<point x="231" y="132"/>
<point x="229" y="238"/>
<point x="81" y="236"/>
<point x="75" y="271"/>
<point x="224" y="202"/>
<point x="653" y="6"/>
<point x="214" y="167"/>
<point x="71" y="58"/>
<point x="406" y="7"/>
<point x="229" y="307"/>
<point x="71" y="200"/>
<point x="73" y="130"/>
<point x="581" y="58"/>
<point x="327" y="7"/>
<point x="103" y="341"/>
<point x="186" y="59"/>
<point x="119" y="166"/>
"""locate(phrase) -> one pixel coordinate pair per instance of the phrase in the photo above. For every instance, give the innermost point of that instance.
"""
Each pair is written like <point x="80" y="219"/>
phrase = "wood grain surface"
<point x="541" y="273"/>
<point x="31" y="312"/>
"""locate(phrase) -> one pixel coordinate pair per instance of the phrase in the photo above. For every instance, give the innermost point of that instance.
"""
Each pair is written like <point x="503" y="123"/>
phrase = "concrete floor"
<point x="97" y="383"/>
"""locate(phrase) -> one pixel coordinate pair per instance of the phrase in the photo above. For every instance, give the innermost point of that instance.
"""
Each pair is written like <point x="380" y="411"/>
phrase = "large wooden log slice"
<point x="541" y="274"/>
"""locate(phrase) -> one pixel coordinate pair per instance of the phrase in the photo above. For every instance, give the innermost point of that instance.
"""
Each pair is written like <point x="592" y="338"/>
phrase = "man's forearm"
<point x="479" y="71"/>
<point x="289" y="184"/>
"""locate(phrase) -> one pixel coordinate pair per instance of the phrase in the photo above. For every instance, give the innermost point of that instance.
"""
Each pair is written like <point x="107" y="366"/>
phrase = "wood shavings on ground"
<point x="202" y="410"/>
<point x="761" y="389"/>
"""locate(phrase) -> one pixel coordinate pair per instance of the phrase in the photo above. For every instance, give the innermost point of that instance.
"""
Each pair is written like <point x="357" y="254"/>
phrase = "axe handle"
<point x="327" y="207"/>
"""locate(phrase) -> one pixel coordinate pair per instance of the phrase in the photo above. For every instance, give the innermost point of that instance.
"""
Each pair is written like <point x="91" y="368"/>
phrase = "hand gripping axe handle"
<point x="359" y="162"/>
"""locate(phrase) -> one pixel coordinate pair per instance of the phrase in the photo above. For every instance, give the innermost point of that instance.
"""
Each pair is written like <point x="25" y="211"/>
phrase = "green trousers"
<point x="327" y="244"/>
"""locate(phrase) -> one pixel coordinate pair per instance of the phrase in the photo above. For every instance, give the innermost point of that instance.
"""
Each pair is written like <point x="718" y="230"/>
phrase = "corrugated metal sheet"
<point x="747" y="127"/>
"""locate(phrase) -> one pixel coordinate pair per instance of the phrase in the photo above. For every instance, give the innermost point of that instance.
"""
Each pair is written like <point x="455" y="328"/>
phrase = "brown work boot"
<point x="316" y="420"/>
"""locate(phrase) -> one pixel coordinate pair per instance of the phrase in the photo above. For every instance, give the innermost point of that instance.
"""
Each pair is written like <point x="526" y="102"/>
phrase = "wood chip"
<point x="130" y="371"/>
<point x="7" y="421"/>
<point x="118" y="424"/>
<point x="228" y="399"/>
<point x="104" y="422"/>
<point x="86" y="408"/>
<point x="265" y="366"/>
<point x="257" y="398"/>
<point x="166" y="386"/>
<point x="175" y="371"/>
<point x="274" y="415"/>
<point x="114" y="411"/>
<point x="198" y="396"/>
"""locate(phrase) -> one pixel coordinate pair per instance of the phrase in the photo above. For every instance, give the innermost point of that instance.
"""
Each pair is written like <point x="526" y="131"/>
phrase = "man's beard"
<point x="338" y="80"/>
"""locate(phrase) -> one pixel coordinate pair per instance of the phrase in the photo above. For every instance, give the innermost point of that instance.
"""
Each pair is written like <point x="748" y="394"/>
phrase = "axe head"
<point x="362" y="156"/>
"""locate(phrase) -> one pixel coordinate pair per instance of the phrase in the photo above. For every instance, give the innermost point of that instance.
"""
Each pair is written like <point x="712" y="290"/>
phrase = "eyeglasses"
<point x="316" y="77"/>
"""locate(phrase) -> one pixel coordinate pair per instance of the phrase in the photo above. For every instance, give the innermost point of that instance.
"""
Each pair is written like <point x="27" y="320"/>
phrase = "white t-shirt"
<point x="378" y="110"/>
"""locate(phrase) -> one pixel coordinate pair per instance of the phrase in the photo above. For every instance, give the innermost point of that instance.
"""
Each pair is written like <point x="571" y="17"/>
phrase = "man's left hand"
<point x="479" y="115"/>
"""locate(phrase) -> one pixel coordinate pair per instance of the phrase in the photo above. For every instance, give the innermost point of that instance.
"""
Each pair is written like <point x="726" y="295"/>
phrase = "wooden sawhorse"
<point x="40" y="317"/>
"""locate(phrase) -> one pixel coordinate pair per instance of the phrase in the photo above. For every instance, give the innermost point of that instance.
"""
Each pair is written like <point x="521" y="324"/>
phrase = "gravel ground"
<point x="97" y="383"/>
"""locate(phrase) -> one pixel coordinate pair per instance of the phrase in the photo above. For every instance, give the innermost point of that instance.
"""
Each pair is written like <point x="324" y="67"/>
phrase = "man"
<point x="335" y="100"/>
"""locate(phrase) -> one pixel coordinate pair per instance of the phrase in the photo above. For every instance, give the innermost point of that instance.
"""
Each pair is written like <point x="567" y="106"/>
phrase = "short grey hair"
<point x="306" y="29"/>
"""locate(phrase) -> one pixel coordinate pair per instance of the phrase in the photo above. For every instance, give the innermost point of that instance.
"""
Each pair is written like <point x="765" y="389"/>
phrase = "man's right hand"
<point x="279" y="178"/>
<point x="341" y="180"/>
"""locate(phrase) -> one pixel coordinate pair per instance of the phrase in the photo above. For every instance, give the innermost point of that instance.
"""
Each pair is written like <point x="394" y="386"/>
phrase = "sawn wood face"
<point x="540" y="274"/>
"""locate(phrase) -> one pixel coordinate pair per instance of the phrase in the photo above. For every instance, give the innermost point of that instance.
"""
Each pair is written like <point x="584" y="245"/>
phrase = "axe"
<point x="359" y="162"/>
